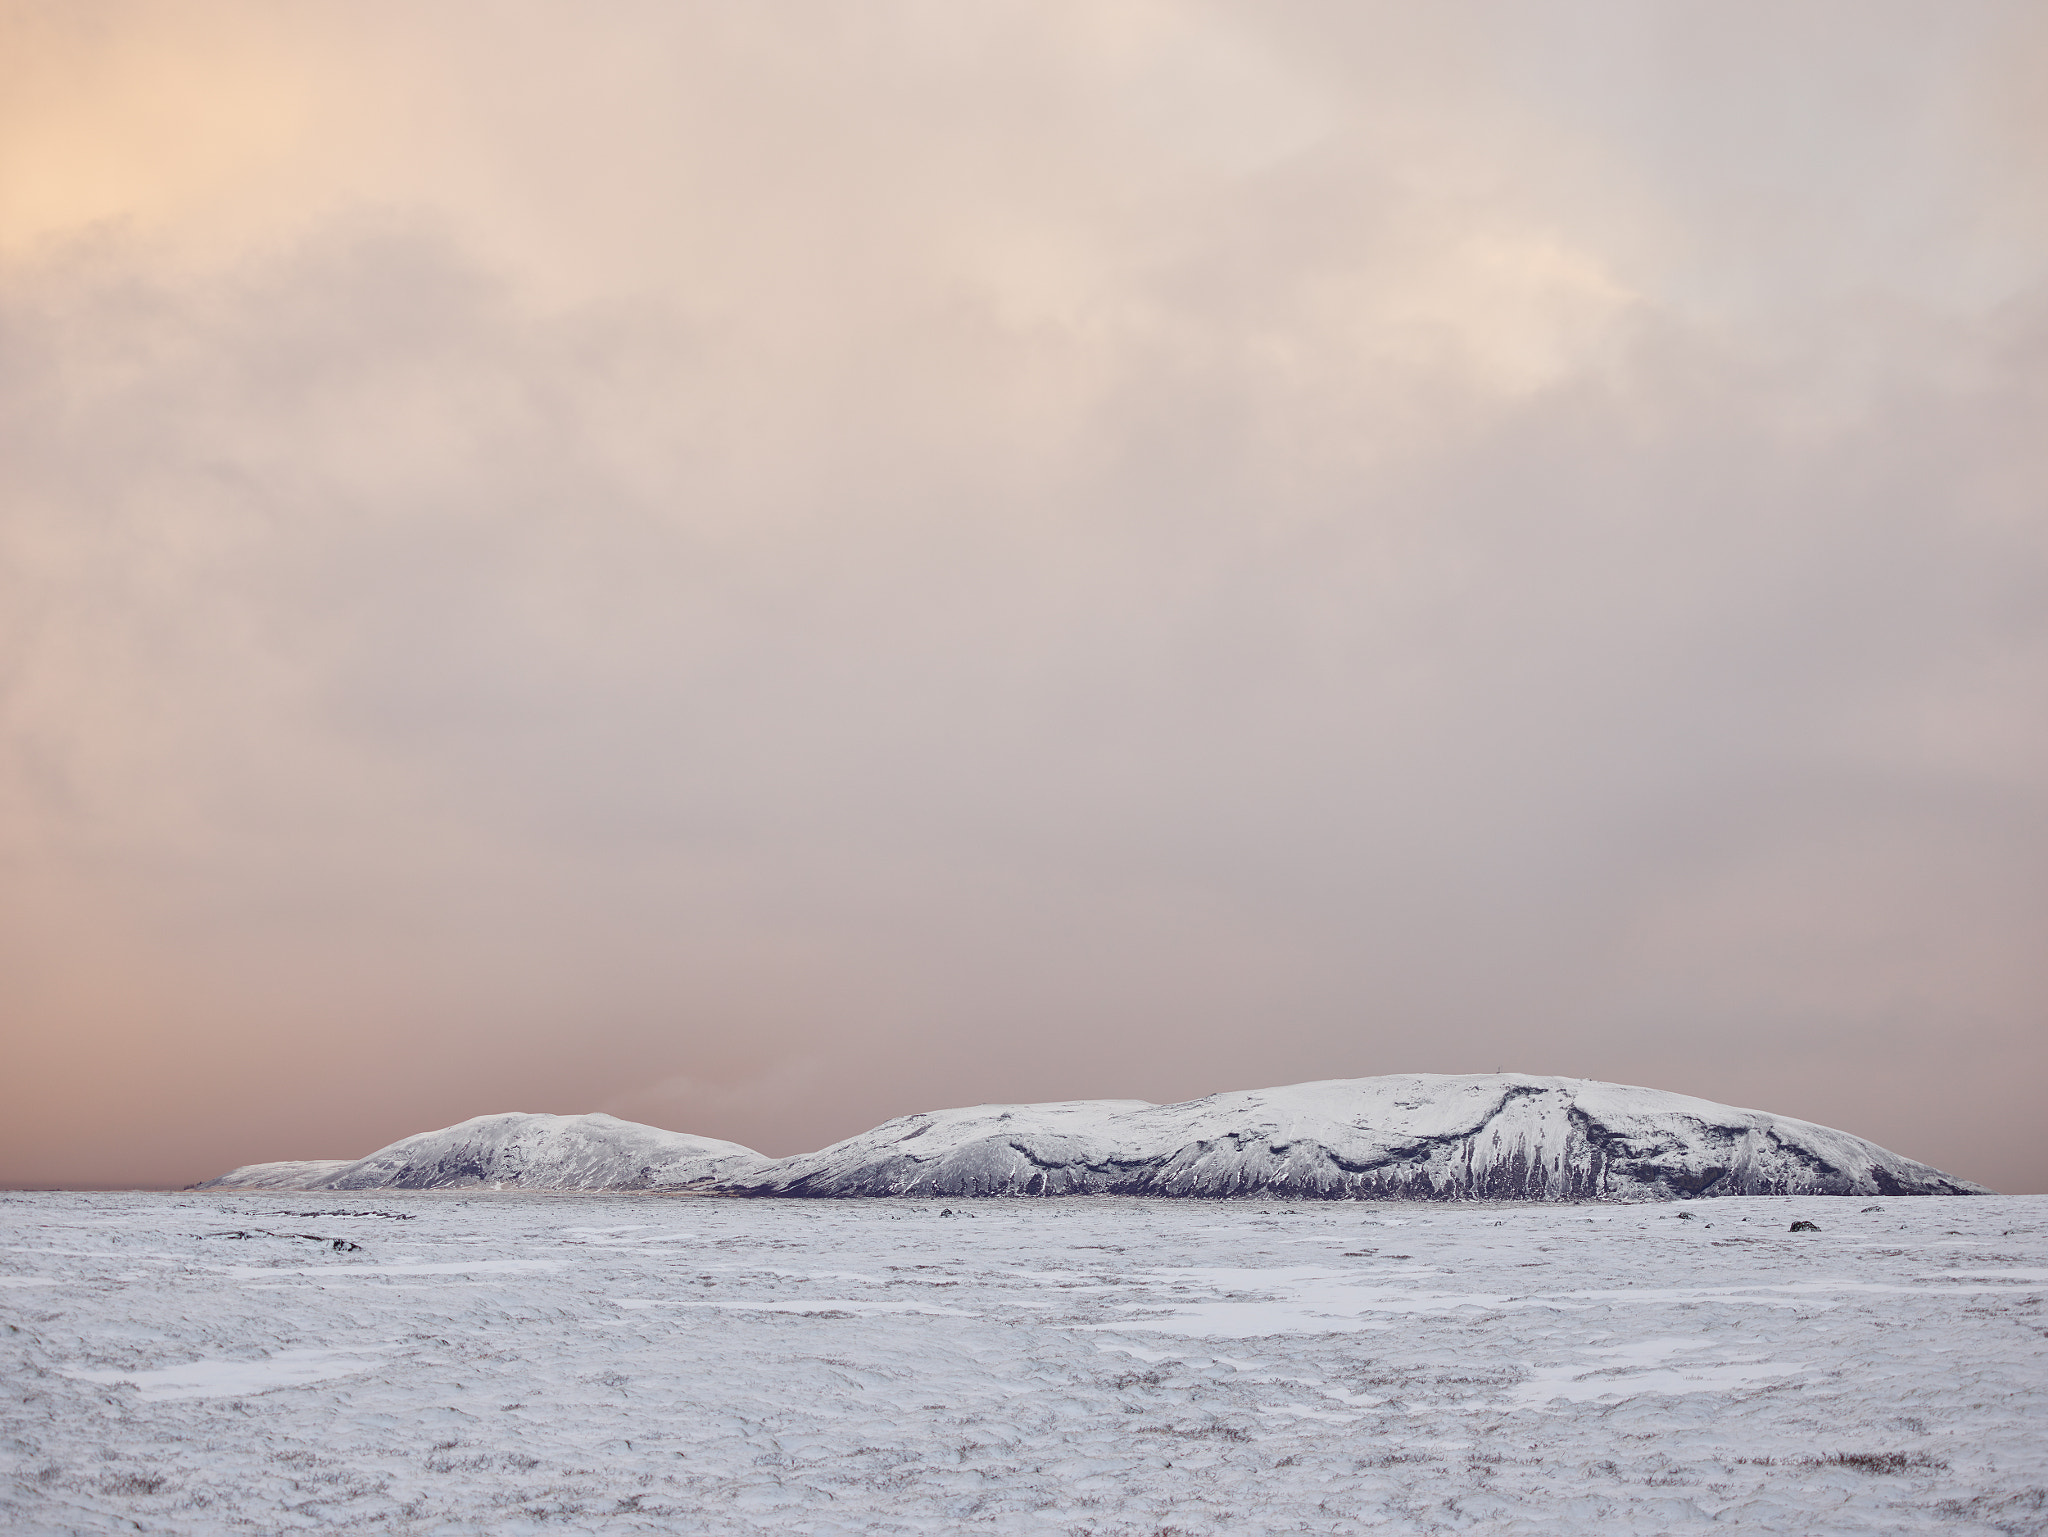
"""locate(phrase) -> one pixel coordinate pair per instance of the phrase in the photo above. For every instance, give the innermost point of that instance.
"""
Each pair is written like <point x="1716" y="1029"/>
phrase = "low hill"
<point x="522" y="1152"/>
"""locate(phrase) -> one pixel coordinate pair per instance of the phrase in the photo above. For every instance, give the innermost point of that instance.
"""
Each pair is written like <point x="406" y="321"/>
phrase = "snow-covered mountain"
<point x="524" y="1152"/>
<point x="1420" y="1136"/>
<point x="1425" y="1136"/>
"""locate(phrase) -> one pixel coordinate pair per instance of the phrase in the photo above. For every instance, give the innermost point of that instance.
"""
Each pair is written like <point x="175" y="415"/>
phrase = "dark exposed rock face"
<point x="1411" y="1137"/>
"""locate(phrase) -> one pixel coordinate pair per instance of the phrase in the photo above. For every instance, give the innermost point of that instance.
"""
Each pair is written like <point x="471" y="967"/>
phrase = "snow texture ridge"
<point x="1421" y="1136"/>
<point x="518" y="1151"/>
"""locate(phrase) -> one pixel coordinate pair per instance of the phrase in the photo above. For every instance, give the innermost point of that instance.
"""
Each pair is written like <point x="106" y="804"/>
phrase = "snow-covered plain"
<point x="505" y="1363"/>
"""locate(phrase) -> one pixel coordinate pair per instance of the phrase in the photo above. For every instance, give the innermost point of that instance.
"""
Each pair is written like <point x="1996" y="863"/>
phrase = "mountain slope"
<point x="293" y="1174"/>
<point x="519" y="1151"/>
<point x="1414" y="1136"/>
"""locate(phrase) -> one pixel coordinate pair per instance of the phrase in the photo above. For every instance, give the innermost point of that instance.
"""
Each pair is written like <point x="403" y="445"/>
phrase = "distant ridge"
<point x="521" y="1152"/>
<point x="1418" y="1136"/>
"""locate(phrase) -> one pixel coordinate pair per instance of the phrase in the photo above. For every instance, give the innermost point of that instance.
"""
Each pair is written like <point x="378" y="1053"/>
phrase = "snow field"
<point x="505" y="1363"/>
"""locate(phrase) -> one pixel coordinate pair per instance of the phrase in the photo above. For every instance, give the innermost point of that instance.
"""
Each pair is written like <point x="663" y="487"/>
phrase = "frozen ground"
<point x="528" y="1363"/>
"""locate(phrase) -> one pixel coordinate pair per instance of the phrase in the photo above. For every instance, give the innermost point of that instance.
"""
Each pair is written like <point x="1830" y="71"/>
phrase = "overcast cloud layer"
<point x="760" y="568"/>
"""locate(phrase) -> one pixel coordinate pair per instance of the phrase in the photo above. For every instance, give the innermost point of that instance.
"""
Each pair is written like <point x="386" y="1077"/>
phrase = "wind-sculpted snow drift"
<point x="1494" y="1136"/>
<point x="524" y="1152"/>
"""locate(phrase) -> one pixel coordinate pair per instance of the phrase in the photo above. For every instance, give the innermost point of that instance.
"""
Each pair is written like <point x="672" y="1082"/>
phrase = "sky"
<point x="760" y="568"/>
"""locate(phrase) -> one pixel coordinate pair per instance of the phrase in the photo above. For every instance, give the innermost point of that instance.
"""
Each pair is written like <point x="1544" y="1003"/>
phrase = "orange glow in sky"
<point x="759" y="569"/>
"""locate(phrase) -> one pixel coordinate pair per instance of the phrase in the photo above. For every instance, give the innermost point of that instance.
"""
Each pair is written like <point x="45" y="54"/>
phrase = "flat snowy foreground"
<point x="525" y="1363"/>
